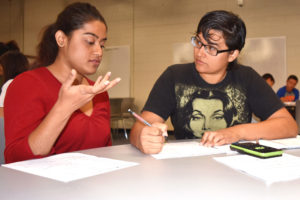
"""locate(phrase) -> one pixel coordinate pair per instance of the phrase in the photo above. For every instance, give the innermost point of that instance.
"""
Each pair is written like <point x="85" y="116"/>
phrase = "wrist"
<point x="61" y="111"/>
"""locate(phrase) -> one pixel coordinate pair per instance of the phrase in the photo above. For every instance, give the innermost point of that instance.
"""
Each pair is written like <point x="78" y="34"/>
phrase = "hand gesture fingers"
<point x="75" y="96"/>
<point x="104" y="84"/>
<point x="70" y="80"/>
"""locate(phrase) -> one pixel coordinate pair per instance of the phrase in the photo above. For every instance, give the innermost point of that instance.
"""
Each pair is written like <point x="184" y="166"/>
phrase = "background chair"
<point x="2" y="141"/>
<point x="119" y="112"/>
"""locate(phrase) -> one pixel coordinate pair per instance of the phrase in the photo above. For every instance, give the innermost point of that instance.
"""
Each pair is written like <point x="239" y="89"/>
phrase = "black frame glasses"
<point x="211" y="50"/>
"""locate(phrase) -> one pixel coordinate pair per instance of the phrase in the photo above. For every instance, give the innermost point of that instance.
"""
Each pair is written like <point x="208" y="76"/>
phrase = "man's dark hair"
<point x="293" y="77"/>
<point x="268" y="76"/>
<point x="232" y="27"/>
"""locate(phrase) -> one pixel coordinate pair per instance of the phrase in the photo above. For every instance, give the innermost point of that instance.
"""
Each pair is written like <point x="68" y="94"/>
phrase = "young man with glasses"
<point x="218" y="41"/>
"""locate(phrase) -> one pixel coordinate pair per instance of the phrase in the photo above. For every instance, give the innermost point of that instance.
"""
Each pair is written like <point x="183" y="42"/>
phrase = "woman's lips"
<point x="96" y="61"/>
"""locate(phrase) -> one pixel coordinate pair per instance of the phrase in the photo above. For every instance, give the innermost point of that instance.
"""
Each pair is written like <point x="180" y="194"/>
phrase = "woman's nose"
<point x="98" y="50"/>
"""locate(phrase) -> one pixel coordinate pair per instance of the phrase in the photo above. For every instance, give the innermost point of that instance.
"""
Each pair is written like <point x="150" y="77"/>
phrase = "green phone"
<point x="256" y="150"/>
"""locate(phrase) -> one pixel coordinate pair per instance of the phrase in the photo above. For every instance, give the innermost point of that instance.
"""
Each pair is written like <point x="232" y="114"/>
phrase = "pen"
<point x="165" y="134"/>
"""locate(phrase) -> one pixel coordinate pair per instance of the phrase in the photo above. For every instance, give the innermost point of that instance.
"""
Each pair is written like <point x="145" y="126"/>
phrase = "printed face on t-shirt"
<point x="207" y="115"/>
<point x="206" y="109"/>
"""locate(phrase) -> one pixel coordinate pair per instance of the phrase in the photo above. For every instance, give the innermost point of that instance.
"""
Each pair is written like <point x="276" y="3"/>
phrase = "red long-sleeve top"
<point x="28" y="100"/>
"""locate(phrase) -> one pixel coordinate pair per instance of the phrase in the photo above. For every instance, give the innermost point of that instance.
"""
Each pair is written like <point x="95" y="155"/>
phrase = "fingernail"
<point x="106" y="82"/>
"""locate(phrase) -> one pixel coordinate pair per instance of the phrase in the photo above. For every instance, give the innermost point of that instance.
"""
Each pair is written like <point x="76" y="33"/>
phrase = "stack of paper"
<point x="188" y="149"/>
<point x="69" y="166"/>
<point x="288" y="143"/>
<point x="283" y="168"/>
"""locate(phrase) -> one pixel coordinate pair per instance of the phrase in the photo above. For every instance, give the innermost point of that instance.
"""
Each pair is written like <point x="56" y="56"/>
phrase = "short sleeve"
<point x="3" y="91"/>
<point x="262" y="99"/>
<point x="161" y="99"/>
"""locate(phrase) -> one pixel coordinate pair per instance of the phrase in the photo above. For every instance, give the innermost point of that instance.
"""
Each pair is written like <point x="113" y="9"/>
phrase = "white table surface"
<point x="180" y="178"/>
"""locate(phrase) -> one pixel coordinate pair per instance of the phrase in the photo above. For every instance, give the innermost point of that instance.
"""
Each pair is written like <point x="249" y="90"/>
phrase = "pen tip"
<point x="129" y="110"/>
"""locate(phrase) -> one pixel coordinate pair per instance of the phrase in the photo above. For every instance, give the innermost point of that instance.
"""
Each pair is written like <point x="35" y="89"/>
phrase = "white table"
<point x="180" y="178"/>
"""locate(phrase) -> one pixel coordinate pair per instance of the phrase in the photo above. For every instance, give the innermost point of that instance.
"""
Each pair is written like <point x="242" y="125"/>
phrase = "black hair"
<point x="13" y="63"/>
<point x="267" y="76"/>
<point x="293" y="77"/>
<point x="73" y="17"/>
<point x="232" y="27"/>
<point x="8" y="46"/>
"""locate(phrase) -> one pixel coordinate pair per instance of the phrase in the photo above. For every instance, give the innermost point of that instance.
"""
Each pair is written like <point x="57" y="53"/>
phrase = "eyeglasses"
<point x="213" y="51"/>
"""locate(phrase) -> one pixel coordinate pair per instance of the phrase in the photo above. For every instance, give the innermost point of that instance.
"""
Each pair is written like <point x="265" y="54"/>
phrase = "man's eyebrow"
<point x="94" y="35"/>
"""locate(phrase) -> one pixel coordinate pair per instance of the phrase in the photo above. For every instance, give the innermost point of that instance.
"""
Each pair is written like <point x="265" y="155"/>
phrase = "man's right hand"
<point x="151" y="138"/>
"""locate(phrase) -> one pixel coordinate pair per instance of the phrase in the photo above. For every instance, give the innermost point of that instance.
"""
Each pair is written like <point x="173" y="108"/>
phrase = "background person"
<point x="13" y="64"/>
<point x="219" y="38"/>
<point x="269" y="79"/>
<point x="288" y="92"/>
<point x="55" y="108"/>
<point x="4" y="47"/>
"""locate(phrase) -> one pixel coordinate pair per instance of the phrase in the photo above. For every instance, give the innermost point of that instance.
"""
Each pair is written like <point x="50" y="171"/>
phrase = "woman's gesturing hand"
<point x="72" y="97"/>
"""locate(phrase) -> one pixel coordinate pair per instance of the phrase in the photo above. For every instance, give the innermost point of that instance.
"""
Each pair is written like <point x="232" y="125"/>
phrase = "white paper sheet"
<point x="188" y="149"/>
<point x="288" y="143"/>
<point x="270" y="170"/>
<point x="69" y="166"/>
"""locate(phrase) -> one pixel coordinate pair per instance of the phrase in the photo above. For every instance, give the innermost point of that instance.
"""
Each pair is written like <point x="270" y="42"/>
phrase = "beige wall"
<point x="12" y="21"/>
<point x="151" y="27"/>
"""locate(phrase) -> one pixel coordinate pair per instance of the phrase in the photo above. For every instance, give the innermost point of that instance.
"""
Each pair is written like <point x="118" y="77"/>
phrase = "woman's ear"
<point x="233" y="55"/>
<point x="60" y="38"/>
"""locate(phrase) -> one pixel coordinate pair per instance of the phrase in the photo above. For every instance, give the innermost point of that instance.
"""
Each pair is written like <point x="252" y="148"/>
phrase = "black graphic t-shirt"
<point x="196" y="106"/>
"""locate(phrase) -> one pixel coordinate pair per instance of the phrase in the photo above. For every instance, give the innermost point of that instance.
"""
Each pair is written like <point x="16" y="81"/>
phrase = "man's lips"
<point x="198" y="61"/>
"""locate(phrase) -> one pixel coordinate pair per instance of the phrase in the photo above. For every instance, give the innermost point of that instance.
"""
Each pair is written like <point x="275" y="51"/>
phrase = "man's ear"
<point x="233" y="55"/>
<point x="60" y="38"/>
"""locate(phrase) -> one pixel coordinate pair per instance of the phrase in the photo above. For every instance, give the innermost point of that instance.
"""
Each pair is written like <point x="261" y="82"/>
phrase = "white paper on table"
<point x="187" y="149"/>
<point x="270" y="170"/>
<point x="69" y="166"/>
<point x="287" y="143"/>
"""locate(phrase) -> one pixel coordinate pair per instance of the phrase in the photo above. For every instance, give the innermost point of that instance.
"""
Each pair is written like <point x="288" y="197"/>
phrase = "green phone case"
<point x="256" y="150"/>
